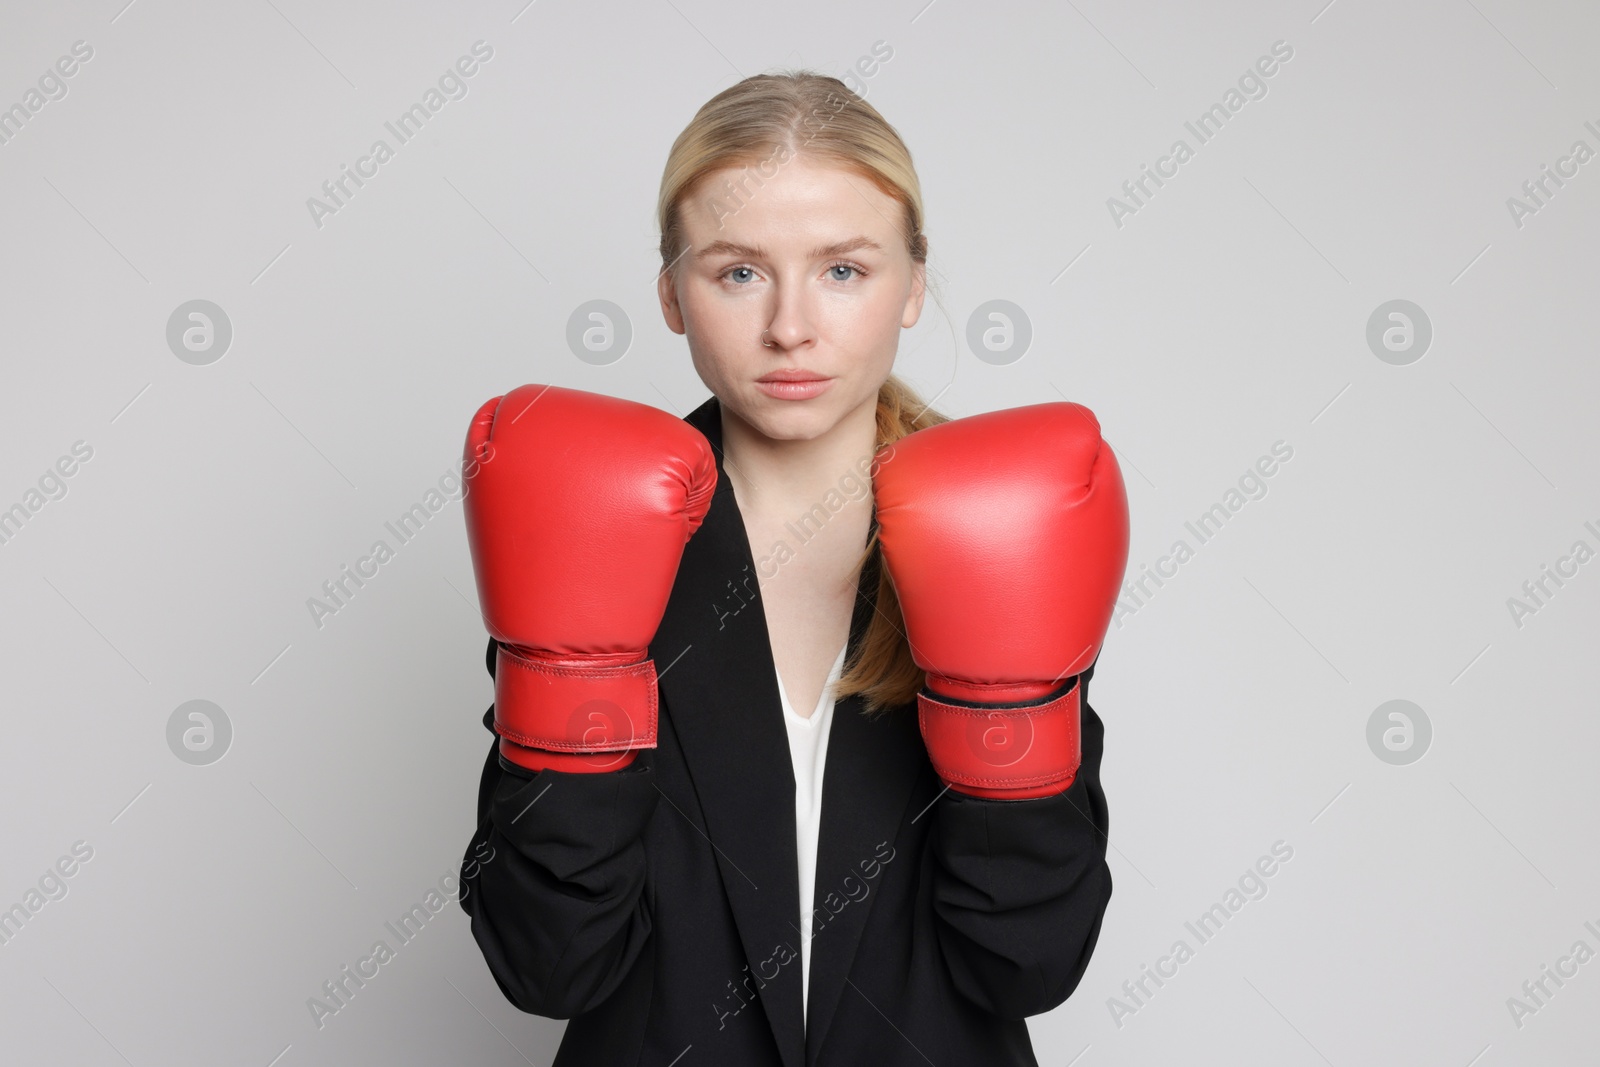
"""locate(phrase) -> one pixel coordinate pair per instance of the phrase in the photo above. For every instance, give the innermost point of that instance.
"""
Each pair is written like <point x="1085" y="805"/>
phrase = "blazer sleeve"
<point x="554" y="879"/>
<point x="1020" y="887"/>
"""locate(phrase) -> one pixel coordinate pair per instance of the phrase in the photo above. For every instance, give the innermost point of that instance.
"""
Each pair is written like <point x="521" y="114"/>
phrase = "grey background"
<point x="1230" y="312"/>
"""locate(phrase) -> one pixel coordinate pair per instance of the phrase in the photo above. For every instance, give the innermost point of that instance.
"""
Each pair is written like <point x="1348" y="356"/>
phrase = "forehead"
<point x="804" y="205"/>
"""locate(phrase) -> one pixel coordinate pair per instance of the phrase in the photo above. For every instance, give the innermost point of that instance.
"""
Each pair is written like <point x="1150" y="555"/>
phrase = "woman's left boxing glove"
<point x="577" y="508"/>
<point x="1006" y="537"/>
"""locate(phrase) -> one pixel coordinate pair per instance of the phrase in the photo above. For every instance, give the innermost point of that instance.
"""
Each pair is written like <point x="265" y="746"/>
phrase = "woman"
<point x="746" y="804"/>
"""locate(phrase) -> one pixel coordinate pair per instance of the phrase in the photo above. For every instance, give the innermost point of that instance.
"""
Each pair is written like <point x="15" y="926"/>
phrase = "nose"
<point x="791" y="324"/>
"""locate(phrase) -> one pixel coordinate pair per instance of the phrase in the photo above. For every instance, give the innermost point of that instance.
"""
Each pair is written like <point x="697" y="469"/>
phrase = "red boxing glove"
<point x="1006" y="536"/>
<point x="577" y="508"/>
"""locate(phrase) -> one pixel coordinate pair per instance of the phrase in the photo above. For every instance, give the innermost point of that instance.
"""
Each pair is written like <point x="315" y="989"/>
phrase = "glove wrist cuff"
<point x="538" y="759"/>
<point x="958" y="691"/>
<point x="1001" y="751"/>
<point x="562" y="704"/>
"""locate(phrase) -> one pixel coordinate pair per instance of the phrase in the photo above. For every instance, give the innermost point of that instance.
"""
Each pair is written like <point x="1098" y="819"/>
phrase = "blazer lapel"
<point x="867" y="783"/>
<point x="719" y="687"/>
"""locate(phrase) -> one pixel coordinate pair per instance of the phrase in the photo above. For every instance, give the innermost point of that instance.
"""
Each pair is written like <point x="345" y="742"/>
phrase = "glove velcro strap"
<point x="566" y="707"/>
<point x="995" y="749"/>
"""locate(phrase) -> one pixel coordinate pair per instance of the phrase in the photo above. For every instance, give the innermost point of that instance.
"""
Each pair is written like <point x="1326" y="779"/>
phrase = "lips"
<point x="793" y="384"/>
<point x="793" y="376"/>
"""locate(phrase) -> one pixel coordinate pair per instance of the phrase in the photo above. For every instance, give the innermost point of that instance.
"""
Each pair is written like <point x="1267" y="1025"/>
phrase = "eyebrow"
<point x="838" y="248"/>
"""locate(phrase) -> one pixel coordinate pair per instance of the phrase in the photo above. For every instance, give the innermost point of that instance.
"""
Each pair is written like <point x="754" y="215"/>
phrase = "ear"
<point x="919" y="290"/>
<point x="667" y="290"/>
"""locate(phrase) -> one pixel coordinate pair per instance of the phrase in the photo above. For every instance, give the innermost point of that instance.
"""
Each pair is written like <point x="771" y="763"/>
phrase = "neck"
<point x="783" y="477"/>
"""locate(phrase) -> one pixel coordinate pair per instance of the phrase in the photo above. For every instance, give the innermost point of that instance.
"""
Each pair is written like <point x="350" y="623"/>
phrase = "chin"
<point x="789" y="420"/>
<point x="794" y="425"/>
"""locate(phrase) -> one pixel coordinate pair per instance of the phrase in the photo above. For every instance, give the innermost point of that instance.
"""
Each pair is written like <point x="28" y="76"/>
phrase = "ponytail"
<point x="882" y="671"/>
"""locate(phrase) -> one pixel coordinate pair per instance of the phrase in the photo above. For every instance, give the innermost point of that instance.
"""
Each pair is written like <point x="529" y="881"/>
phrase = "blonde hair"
<point x="752" y="123"/>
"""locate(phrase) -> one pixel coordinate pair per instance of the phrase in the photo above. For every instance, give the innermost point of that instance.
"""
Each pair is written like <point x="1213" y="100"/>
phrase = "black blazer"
<point x="658" y="907"/>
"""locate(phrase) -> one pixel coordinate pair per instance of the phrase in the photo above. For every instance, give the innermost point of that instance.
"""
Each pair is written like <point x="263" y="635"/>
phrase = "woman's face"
<point x="816" y="257"/>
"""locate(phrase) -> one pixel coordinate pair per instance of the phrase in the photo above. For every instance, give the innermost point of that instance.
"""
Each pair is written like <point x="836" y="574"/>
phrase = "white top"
<point x="808" y="747"/>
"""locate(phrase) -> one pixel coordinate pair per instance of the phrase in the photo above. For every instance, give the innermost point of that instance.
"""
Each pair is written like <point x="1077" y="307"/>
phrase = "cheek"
<point x="870" y="333"/>
<point x="714" y="369"/>
<point x="707" y="327"/>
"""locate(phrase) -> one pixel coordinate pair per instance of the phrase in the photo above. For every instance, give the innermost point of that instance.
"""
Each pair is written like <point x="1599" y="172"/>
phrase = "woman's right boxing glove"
<point x="577" y="508"/>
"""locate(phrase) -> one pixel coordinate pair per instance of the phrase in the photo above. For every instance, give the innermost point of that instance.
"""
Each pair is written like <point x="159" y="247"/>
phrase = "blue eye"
<point x="852" y="272"/>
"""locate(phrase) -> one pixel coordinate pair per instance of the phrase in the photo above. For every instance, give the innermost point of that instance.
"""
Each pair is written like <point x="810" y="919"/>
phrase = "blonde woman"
<point x="794" y="762"/>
